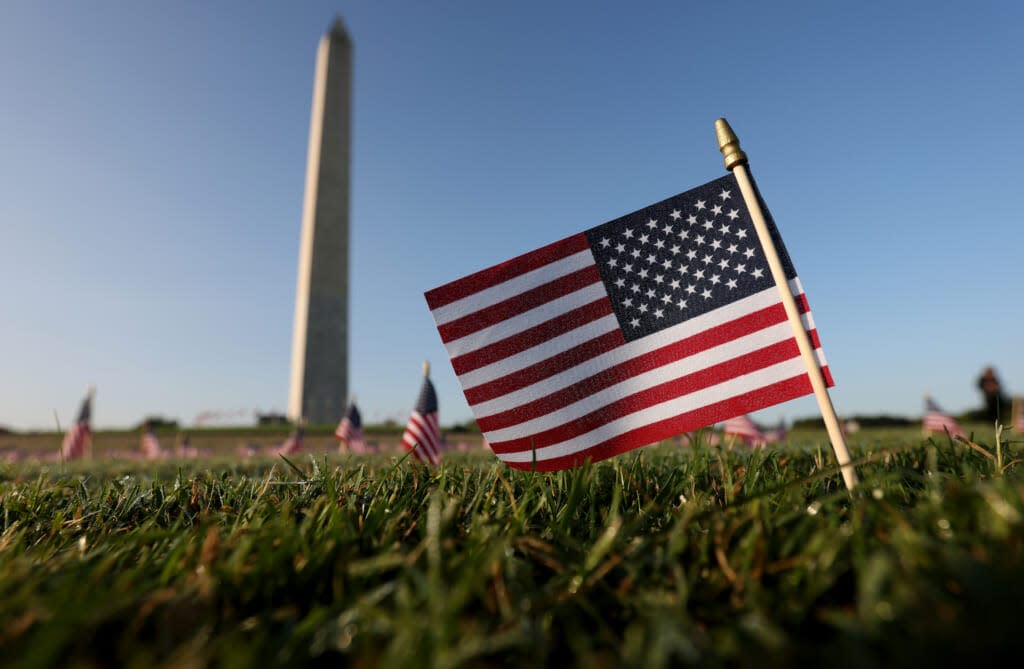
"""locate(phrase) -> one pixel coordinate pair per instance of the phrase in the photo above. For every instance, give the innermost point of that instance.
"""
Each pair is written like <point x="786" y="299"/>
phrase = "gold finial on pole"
<point x="426" y="368"/>
<point x="729" y="145"/>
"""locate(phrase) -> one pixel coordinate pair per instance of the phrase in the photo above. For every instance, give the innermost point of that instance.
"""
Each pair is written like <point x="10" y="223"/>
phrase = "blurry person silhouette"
<point x="988" y="384"/>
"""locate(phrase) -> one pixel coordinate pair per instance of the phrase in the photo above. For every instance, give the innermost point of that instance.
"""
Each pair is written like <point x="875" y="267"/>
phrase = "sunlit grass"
<point x="665" y="557"/>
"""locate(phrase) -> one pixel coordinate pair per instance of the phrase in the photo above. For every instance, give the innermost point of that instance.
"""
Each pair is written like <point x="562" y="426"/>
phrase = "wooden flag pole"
<point x="736" y="161"/>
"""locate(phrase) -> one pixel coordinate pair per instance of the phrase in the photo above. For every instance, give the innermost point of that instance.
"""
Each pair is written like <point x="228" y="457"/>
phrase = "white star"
<point x="643" y="273"/>
<point x="706" y="293"/>
<point x="681" y="303"/>
<point x="667" y="229"/>
<point x="732" y="248"/>
<point x="717" y="209"/>
<point x="716" y="244"/>
<point x="676" y="214"/>
<point x="700" y="205"/>
<point x="700" y="239"/>
<point x="666" y="298"/>
<point x="691" y="289"/>
<point x="628" y="233"/>
<point x="691" y="254"/>
<point x="635" y="288"/>
<point x="628" y="302"/>
<point x="619" y="248"/>
<point x="651" y="223"/>
<point x="715" y="279"/>
<point x="635" y="253"/>
<point x="741" y="268"/>
<point x="627" y="268"/>
<point x="733" y="214"/>
<point x="650" y="292"/>
<point x="683" y="234"/>
<point x="660" y="244"/>
<point x="683" y="269"/>
<point x="635" y="322"/>
<point x="731" y="283"/>
<point x="707" y="259"/>
<point x="674" y="284"/>
<point x="724" y="229"/>
<point x="643" y="239"/>
<point x="691" y="219"/>
<point x="605" y="242"/>
<point x="651" y="259"/>
<point x="620" y="282"/>
<point x="675" y="249"/>
<point x="643" y="308"/>
<point x="758" y="273"/>
<point x="708" y="225"/>
<point x="749" y="253"/>
<point x="659" y="279"/>
<point x="724" y="194"/>
<point x="741" y="233"/>
<point x="658" y="313"/>
<point x="699" y="274"/>
<point x="724" y="264"/>
<point x="667" y="264"/>
<point x="612" y="262"/>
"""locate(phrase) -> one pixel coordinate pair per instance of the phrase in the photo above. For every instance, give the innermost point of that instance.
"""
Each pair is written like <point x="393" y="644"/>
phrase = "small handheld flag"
<point x="293" y="444"/>
<point x="77" y="438"/>
<point x="937" y="420"/>
<point x="150" y="445"/>
<point x="423" y="431"/>
<point x="350" y="430"/>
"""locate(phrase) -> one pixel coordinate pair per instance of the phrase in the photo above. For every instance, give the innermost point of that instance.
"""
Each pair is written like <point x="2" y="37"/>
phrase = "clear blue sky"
<point x="152" y="158"/>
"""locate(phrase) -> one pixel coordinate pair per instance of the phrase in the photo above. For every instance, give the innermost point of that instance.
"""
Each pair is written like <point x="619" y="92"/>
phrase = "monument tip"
<point x="338" y="28"/>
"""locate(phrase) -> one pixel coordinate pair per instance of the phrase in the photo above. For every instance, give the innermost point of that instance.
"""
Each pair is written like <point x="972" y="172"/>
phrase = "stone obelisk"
<point x="319" y="375"/>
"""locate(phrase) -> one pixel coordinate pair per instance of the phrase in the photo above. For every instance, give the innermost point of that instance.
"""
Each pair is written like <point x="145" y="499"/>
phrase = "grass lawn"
<point x="663" y="557"/>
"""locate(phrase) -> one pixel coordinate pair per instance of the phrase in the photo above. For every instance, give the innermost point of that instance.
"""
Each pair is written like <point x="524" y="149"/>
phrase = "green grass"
<point x="663" y="557"/>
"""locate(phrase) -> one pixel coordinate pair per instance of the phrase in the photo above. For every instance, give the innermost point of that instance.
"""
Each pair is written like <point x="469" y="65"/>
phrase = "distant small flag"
<point x="423" y="427"/>
<point x="937" y="420"/>
<point x="746" y="430"/>
<point x="293" y="444"/>
<point x="1017" y="419"/>
<point x="350" y="430"/>
<point x="777" y="434"/>
<point x="657" y="323"/>
<point x="77" y="438"/>
<point x="150" y="445"/>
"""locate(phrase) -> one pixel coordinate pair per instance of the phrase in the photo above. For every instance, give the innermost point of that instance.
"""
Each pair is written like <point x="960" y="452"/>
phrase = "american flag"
<point x="350" y="430"/>
<point x="746" y="430"/>
<point x="150" y="445"/>
<point x="1017" y="419"/>
<point x="76" y="439"/>
<point x="653" y="324"/>
<point x="937" y="420"/>
<point x="293" y="444"/>
<point x="423" y="427"/>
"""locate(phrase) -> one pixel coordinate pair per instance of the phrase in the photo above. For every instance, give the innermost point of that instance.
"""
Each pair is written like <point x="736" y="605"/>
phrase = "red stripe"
<point x="518" y="304"/>
<point x="492" y="276"/>
<point x="663" y="392"/>
<point x="796" y="386"/>
<point x="646" y="362"/>
<point x="531" y="337"/>
<point x="556" y="364"/>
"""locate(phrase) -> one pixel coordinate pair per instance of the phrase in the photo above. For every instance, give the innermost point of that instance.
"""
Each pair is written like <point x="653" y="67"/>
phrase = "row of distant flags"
<point x="423" y="437"/>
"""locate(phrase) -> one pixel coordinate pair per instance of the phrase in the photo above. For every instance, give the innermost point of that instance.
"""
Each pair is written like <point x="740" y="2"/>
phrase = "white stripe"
<point x="515" y="286"/>
<point x="645" y="381"/>
<point x="540" y="352"/>
<point x="419" y="428"/>
<point x="526" y="320"/>
<point x="689" y="328"/>
<point x="674" y="407"/>
<point x="699" y="360"/>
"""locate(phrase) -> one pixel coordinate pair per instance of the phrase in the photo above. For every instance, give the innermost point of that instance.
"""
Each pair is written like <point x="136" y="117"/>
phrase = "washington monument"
<point x="319" y="376"/>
